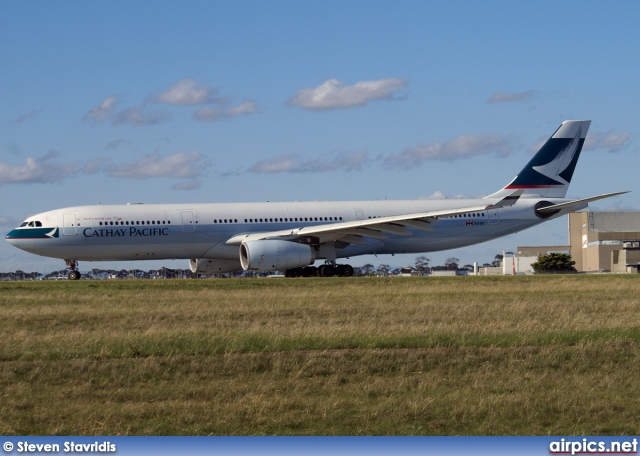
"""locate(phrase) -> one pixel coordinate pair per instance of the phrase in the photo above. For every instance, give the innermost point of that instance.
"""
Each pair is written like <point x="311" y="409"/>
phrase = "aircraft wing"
<point x="353" y="232"/>
<point x="580" y="202"/>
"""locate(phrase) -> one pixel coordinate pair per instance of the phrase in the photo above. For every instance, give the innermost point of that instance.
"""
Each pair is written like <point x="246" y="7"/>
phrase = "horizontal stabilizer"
<point x="557" y="207"/>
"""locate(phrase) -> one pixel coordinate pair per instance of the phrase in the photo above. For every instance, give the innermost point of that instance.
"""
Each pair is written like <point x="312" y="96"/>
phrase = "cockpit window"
<point x="32" y="224"/>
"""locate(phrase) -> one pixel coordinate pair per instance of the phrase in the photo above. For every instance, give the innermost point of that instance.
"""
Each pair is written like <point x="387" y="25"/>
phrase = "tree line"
<point x="421" y="266"/>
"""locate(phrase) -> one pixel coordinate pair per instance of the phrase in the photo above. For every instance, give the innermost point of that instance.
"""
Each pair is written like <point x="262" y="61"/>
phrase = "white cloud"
<point x="510" y="97"/>
<point x="293" y="164"/>
<point x="279" y="164"/>
<point x="182" y="165"/>
<point x="207" y="114"/>
<point x="95" y="165"/>
<point x="437" y="195"/>
<point x="37" y="170"/>
<point x="611" y="141"/>
<point x="138" y="118"/>
<point x="101" y="112"/>
<point x="189" y="92"/>
<point x="44" y="169"/>
<point x="244" y="108"/>
<point x="334" y="94"/>
<point x="185" y="92"/>
<point x="465" y="146"/>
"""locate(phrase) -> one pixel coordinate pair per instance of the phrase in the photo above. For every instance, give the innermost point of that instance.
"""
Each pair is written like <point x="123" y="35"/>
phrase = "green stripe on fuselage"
<point x="33" y="233"/>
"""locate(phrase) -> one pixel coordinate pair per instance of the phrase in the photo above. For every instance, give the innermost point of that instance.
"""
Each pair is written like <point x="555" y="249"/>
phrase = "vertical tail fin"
<point x="550" y="170"/>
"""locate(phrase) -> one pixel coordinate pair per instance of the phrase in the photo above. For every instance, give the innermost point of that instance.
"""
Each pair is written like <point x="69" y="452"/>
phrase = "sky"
<point x="109" y="102"/>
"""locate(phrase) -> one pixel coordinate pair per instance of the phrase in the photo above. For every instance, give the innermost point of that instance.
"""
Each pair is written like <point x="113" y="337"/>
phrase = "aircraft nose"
<point x="11" y="235"/>
<point x="17" y="239"/>
<point x="13" y="238"/>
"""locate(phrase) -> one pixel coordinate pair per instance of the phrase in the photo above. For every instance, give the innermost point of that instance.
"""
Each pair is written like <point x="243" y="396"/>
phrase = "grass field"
<point x="399" y="356"/>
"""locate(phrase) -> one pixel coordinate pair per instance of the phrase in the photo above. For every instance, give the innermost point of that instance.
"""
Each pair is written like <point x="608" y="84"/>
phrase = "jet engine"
<point x="206" y="266"/>
<point x="544" y="214"/>
<point x="271" y="255"/>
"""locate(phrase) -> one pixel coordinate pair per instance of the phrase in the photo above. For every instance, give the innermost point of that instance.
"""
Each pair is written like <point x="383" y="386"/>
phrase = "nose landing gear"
<point x="74" y="274"/>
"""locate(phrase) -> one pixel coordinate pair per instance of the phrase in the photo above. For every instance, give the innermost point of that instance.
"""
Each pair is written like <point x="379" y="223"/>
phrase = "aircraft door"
<point x="188" y="221"/>
<point x="493" y="217"/>
<point x="69" y="226"/>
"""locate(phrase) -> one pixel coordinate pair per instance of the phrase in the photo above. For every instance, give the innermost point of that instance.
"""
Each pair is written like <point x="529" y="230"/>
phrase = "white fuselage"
<point x="185" y="231"/>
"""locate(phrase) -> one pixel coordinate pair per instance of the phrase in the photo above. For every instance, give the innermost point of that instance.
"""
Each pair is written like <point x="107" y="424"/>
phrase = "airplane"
<point x="292" y="236"/>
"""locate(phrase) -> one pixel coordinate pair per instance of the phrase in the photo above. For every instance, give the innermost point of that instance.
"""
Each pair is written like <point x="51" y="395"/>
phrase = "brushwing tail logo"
<point x="561" y="162"/>
<point x="53" y="233"/>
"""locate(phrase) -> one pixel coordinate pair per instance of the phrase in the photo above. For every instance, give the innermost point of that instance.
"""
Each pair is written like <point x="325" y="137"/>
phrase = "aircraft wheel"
<point x="326" y="270"/>
<point x="347" y="270"/>
<point x="74" y="275"/>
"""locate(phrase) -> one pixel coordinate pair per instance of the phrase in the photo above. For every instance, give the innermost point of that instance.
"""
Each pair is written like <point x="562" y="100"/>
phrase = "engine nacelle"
<point x="272" y="255"/>
<point x="205" y="266"/>
<point x="544" y="214"/>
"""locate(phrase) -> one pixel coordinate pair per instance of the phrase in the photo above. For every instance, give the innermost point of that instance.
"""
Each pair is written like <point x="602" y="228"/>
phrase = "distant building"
<point x="598" y="242"/>
<point x="536" y="251"/>
<point x="605" y="241"/>
<point x="526" y="256"/>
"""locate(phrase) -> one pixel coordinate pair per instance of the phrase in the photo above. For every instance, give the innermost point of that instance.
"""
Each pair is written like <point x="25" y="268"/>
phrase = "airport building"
<point x="598" y="242"/>
<point x="605" y="241"/>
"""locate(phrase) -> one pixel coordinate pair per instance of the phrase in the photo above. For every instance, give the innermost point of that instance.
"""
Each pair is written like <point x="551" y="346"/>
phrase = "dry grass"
<point x="508" y="355"/>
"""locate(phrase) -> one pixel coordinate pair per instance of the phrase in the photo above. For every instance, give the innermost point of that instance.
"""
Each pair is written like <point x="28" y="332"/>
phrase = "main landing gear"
<point x="74" y="274"/>
<point x="326" y="270"/>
